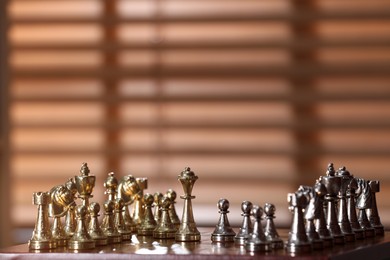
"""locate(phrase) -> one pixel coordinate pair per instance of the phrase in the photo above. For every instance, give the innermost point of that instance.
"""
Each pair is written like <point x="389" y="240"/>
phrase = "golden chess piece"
<point x="70" y="218"/>
<point x="138" y="210"/>
<point x="119" y="222"/>
<point x="85" y="184"/>
<point x="41" y="238"/>
<point x="94" y="229"/>
<point x="165" y="229"/>
<point x="187" y="230"/>
<point x="108" y="226"/>
<point x="61" y="200"/>
<point x="157" y="204"/>
<point x="128" y="189"/>
<point x="149" y="223"/>
<point x="172" y="210"/>
<point x="81" y="240"/>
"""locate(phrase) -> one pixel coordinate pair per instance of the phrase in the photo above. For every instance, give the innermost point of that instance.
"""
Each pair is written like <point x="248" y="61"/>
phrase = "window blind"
<point x="255" y="96"/>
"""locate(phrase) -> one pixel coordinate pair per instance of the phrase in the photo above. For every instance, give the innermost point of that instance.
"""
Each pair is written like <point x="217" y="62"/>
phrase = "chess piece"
<point x="257" y="240"/>
<point x="111" y="185"/>
<point x="187" y="230"/>
<point x="128" y="189"/>
<point x="149" y="223"/>
<point x="138" y="210"/>
<point x="41" y="237"/>
<point x="364" y="202"/>
<point x="270" y="231"/>
<point x="351" y="209"/>
<point x="172" y="210"/>
<point x="373" y="210"/>
<point x="157" y="205"/>
<point x="342" y="218"/>
<point x="312" y="208"/>
<point x="165" y="229"/>
<point x="223" y="232"/>
<point x="119" y="222"/>
<point x="298" y="241"/>
<point x="81" y="240"/>
<point x="94" y="229"/>
<point x="70" y="218"/>
<point x="61" y="200"/>
<point x="320" y="225"/>
<point x="85" y="184"/>
<point x="108" y="226"/>
<point x="332" y="184"/>
<point x="246" y="226"/>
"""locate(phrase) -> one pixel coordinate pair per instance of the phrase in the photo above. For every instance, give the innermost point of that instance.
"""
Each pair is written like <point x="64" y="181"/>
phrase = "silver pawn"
<point x="298" y="241"/>
<point x="257" y="240"/>
<point x="373" y="211"/>
<point x="320" y="224"/>
<point x="270" y="231"/>
<point x="223" y="232"/>
<point x="364" y="202"/>
<point x="351" y="209"/>
<point x="246" y="226"/>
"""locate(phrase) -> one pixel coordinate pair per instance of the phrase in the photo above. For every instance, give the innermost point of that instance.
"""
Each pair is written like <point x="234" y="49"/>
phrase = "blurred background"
<point x="256" y="96"/>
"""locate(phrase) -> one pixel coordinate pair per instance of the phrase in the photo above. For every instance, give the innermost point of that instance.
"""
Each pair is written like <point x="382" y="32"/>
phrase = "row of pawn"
<point x="252" y="235"/>
<point x="326" y="214"/>
<point x="82" y="229"/>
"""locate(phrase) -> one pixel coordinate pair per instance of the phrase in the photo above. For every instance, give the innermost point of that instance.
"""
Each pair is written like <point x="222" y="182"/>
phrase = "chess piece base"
<point x="317" y="244"/>
<point x="240" y="240"/>
<point x="61" y="242"/>
<point x="114" y="239"/>
<point x="42" y="245"/>
<point x="369" y="232"/>
<point x="81" y="245"/>
<point x="277" y="244"/>
<point x="327" y="241"/>
<point x="256" y="247"/>
<point x="349" y="237"/>
<point x="187" y="237"/>
<point x="126" y="236"/>
<point x="338" y="239"/>
<point x="100" y="241"/>
<point x="222" y="238"/>
<point x="298" y="248"/>
<point x="164" y="235"/>
<point x="359" y="233"/>
<point x="145" y="232"/>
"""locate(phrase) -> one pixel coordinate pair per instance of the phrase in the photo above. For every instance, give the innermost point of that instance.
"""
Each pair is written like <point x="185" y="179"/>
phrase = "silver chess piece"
<point x="172" y="210"/>
<point x="223" y="232"/>
<point x="298" y="241"/>
<point x="342" y="218"/>
<point x="257" y="240"/>
<point x="41" y="237"/>
<point x="373" y="211"/>
<point x="81" y="240"/>
<point x="165" y="229"/>
<point x="246" y="226"/>
<point x="270" y="231"/>
<point x="149" y="223"/>
<point x="94" y="229"/>
<point x="351" y="209"/>
<point x="363" y="203"/>
<point x="333" y="185"/>
<point x="187" y="230"/>
<point x="312" y="209"/>
<point x="321" y="227"/>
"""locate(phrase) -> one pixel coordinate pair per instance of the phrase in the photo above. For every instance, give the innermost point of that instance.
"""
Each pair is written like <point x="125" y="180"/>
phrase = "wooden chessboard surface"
<point x="147" y="247"/>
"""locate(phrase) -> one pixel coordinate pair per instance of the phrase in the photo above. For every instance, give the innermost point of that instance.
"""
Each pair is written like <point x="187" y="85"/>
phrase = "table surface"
<point x="145" y="247"/>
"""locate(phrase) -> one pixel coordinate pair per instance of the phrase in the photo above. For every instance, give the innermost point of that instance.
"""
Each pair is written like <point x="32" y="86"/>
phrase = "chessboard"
<point x="146" y="247"/>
